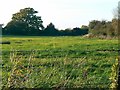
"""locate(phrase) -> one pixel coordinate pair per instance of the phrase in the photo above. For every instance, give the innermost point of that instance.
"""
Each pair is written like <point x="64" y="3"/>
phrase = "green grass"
<point x="47" y="62"/>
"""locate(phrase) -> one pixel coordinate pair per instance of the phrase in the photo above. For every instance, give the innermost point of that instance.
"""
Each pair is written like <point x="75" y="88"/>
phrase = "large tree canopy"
<point x="25" y="22"/>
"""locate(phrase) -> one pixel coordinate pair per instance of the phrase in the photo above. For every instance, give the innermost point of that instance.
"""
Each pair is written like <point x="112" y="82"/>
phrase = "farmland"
<point x="57" y="62"/>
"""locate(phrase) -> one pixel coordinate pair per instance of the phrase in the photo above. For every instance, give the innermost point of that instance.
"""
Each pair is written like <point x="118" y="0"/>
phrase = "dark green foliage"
<point x="73" y="32"/>
<point x="78" y="31"/>
<point x="24" y="22"/>
<point x="15" y="28"/>
<point x="50" y="30"/>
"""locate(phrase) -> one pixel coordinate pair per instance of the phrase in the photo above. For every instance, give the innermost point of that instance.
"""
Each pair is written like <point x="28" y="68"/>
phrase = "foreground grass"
<point x="47" y="62"/>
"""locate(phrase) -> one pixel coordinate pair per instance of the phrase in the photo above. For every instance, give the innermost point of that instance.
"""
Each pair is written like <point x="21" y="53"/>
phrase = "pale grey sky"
<point x="62" y="13"/>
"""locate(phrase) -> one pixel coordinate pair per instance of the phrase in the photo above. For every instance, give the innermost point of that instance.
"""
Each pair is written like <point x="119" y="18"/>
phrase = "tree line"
<point x="104" y="28"/>
<point x="26" y="22"/>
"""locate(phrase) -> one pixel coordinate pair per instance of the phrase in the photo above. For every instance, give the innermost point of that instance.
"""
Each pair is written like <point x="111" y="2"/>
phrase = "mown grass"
<point x="58" y="62"/>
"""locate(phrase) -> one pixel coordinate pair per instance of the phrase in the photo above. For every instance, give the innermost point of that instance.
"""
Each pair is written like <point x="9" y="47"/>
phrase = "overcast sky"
<point x="62" y="13"/>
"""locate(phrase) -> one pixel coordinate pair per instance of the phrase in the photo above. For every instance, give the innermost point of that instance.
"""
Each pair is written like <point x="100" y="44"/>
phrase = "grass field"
<point x="58" y="62"/>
